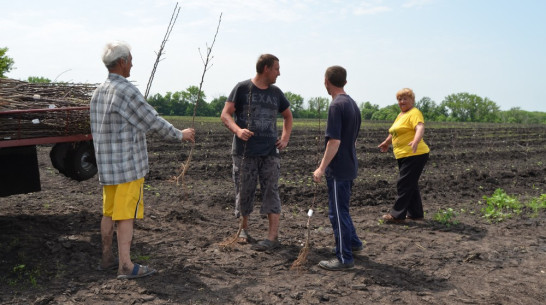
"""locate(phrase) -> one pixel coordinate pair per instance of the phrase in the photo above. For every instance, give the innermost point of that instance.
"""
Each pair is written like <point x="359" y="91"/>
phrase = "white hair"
<point x="115" y="50"/>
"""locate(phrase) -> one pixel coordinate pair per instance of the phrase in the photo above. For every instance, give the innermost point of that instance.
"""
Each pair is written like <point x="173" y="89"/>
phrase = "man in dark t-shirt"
<point x="339" y="164"/>
<point x="250" y="113"/>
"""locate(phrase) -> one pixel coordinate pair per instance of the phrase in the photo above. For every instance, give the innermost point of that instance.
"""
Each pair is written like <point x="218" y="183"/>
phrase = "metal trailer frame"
<point x="18" y="141"/>
<point x="72" y="153"/>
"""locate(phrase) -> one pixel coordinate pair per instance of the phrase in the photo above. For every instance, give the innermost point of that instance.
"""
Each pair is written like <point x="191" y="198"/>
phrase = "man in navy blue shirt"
<point x="339" y="164"/>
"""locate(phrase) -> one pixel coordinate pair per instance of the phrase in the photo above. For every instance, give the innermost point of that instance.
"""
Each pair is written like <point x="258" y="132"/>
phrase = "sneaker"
<point x="354" y="249"/>
<point x="335" y="265"/>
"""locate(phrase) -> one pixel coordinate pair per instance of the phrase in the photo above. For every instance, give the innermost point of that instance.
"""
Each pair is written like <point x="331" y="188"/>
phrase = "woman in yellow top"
<point x="411" y="152"/>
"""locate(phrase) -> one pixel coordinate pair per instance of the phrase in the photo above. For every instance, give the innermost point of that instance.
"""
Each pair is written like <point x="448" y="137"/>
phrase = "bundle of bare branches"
<point x="60" y="119"/>
<point x="19" y="95"/>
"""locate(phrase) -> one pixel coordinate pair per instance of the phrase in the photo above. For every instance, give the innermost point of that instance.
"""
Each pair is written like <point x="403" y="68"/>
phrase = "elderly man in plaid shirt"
<point x="120" y="119"/>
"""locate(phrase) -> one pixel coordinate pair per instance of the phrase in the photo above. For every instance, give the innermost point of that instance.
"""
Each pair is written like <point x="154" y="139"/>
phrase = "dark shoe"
<point x="414" y="219"/>
<point x="335" y="265"/>
<point x="354" y="249"/>
<point x="388" y="218"/>
<point x="266" y="245"/>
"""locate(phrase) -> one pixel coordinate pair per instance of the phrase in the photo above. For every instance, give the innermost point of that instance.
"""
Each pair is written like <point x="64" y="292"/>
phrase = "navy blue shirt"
<point x="265" y="104"/>
<point x="343" y="124"/>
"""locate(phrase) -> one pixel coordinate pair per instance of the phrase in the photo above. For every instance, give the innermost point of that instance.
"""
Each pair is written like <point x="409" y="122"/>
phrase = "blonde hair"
<point x="405" y="92"/>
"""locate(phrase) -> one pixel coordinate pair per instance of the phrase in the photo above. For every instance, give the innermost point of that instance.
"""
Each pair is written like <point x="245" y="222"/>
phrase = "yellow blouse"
<point x="403" y="132"/>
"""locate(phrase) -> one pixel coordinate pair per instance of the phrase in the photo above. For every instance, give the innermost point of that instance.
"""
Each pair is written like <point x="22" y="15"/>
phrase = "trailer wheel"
<point x="80" y="162"/>
<point x="58" y="156"/>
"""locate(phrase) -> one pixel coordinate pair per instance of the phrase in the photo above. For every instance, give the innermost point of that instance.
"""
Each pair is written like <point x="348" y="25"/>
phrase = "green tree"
<point x="388" y="113"/>
<point x="217" y="105"/>
<point x="6" y="63"/>
<point x="296" y="103"/>
<point x="431" y="111"/>
<point x="38" y="80"/>
<point x="318" y="106"/>
<point x="178" y="104"/>
<point x="516" y="115"/>
<point x="426" y="105"/>
<point x="466" y="107"/>
<point x="488" y="111"/>
<point x="190" y="97"/>
<point x="367" y="110"/>
<point x="159" y="103"/>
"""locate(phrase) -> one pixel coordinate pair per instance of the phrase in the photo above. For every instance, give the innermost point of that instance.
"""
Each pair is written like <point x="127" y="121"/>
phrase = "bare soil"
<point x="50" y="240"/>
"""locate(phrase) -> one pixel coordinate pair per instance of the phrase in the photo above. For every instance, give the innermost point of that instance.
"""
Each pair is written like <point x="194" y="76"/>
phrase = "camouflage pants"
<point x="246" y="175"/>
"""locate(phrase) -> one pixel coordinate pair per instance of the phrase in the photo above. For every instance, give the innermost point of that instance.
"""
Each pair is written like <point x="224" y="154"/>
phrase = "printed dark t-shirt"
<point x="264" y="107"/>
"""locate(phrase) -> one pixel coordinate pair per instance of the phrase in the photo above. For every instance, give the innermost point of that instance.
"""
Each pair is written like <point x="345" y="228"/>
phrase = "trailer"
<point x="65" y="128"/>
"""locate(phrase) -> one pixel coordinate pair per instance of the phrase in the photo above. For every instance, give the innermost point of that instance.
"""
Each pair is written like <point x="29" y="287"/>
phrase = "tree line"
<point x="457" y="107"/>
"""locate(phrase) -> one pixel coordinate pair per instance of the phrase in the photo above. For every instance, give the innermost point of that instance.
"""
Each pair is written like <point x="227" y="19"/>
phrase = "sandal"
<point x="243" y="238"/>
<point x="388" y="218"/>
<point x="137" y="272"/>
<point x="266" y="245"/>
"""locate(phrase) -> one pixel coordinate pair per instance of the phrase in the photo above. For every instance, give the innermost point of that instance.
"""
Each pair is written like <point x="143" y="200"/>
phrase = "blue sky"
<point x="494" y="49"/>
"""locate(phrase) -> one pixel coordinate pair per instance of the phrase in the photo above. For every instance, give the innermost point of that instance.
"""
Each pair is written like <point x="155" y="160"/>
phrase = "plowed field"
<point x="50" y="240"/>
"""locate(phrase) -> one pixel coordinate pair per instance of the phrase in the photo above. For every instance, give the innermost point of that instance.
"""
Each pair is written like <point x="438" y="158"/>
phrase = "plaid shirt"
<point x="120" y="118"/>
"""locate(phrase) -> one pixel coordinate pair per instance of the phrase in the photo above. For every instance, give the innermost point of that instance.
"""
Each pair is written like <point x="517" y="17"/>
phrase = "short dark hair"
<point x="265" y="60"/>
<point x="336" y="75"/>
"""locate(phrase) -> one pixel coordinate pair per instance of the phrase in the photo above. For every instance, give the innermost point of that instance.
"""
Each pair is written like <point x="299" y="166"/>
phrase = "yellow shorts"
<point x="123" y="201"/>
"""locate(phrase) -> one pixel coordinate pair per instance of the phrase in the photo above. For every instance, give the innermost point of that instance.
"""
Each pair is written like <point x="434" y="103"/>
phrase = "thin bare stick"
<point x="160" y="52"/>
<point x="184" y="167"/>
<point x="206" y="62"/>
<point x="231" y="242"/>
<point x="302" y="256"/>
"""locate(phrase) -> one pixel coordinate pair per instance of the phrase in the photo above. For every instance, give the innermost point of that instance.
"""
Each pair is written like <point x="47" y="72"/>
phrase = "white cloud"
<point x="416" y="3"/>
<point x="369" y="7"/>
<point x="371" y="10"/>
<point x="253" y="11"/>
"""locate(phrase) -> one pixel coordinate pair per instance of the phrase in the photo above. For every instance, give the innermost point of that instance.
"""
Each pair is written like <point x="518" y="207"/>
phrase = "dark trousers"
<point x="409" y="202"/>
<point x="339" y="195"/>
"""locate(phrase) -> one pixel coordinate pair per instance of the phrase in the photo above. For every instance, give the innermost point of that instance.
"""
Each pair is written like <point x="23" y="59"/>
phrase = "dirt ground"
<point x="50" y="240"/>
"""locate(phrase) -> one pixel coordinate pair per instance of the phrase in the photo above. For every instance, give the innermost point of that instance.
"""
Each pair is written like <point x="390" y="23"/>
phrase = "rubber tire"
<point x="58" y="156"/>
<point x="80" y="161"/>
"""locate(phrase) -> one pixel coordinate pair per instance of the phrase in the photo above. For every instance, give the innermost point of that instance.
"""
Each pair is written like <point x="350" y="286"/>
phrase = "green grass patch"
<point x="23" y="275"/>
<point x="500" y="206"/>
<point x="446" y="217"/>
<point x="535" y="204"/>
<point x="366" y="124"/>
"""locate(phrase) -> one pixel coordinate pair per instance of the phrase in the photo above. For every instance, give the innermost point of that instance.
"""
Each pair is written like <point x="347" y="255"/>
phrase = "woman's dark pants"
<point x="409" y="202"/>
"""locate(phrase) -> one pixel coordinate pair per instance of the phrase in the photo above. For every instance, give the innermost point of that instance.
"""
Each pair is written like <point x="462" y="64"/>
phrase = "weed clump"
<point x="446" y="217"/>
<point x="500" y="206"/>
